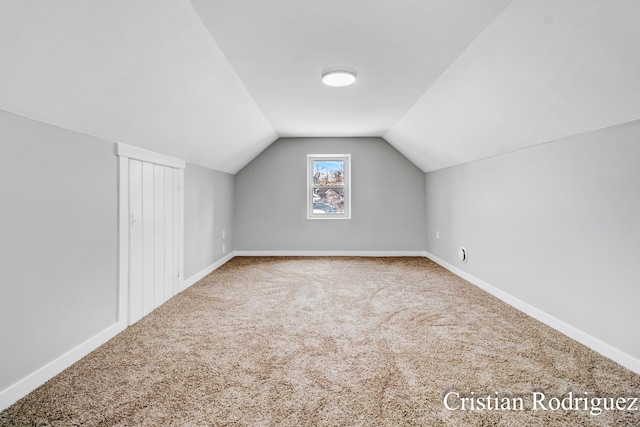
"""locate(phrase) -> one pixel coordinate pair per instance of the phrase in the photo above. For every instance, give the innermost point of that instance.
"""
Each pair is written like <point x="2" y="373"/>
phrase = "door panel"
<point x="159" y="234"/>
<point x="148" y="239"/>
<point x="170" y="269"/>
<point x="177" y="277"/>
<point x="154" y="236"/>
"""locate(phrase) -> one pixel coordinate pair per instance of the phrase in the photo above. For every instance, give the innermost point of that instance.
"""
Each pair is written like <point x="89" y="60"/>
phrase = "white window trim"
<point x="347" y="186"/>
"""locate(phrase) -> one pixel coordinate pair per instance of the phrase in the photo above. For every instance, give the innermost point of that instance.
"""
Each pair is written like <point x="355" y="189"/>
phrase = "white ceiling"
<point x="216" y="81"/>
<point x="399" y="49"/>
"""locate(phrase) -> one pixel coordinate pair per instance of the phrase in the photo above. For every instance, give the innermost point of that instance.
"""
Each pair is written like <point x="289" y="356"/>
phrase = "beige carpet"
<point x="330" y="342"/>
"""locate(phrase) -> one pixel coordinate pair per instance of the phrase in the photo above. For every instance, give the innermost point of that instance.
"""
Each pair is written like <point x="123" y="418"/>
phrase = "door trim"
<point x="131" y="152"/>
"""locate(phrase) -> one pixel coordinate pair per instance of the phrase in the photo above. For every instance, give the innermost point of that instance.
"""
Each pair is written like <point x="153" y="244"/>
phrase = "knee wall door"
<point x="154" y="233"/>
<point x="150" y="231"/>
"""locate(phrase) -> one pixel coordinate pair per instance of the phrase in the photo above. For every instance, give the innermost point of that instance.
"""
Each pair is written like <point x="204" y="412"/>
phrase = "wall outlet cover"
<point x="462" y="254"/>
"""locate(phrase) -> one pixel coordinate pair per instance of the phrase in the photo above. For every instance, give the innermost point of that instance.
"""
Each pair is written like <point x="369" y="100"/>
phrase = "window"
<point x="328" y="186"/>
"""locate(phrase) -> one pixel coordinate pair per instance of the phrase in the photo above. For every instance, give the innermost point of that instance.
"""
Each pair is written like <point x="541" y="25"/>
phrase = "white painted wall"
<point x="387" y="196"/>
<point x="556" y="226"/>
<point x="58" y="250"/>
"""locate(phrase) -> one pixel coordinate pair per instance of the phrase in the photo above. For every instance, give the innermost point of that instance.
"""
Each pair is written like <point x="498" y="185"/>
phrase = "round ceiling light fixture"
<point x="338" y="77"/>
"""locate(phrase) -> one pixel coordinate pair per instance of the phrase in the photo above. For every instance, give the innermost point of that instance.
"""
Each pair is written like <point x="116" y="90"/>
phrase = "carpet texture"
<point x="331" y="342"/>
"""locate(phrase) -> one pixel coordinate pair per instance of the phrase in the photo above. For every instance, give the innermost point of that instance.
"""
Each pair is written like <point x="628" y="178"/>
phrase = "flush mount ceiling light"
<point x="338" y="78"/>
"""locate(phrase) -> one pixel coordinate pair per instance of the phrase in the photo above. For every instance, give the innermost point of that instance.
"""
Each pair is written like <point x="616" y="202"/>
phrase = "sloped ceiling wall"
<point x="445" y="82"/>
<point x="143" y="72"/>
<point x="544" y="70"/>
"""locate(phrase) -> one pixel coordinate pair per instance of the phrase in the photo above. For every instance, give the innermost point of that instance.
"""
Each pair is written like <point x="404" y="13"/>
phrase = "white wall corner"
<point x="582" y="337"/>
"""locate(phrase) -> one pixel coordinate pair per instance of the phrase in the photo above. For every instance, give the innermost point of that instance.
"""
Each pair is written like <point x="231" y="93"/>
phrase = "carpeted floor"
<point x="333" y="342"/>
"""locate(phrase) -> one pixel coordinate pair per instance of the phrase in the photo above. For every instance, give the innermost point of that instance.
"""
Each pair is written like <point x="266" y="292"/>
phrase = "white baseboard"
<point x="582" y="337"/>
<point x="203" y="273"/>
<point x="332" y="253"/>
<point x="34" y="380"/>
<point x="26" y="385"/>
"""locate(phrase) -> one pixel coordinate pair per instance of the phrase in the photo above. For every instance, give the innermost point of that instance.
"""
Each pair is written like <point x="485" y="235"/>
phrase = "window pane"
<point x="328" y="172"/>
<point x="329" y="201"/>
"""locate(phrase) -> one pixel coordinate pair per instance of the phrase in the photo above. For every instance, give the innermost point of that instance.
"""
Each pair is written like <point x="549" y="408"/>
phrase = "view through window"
<point x="328" y="189"/>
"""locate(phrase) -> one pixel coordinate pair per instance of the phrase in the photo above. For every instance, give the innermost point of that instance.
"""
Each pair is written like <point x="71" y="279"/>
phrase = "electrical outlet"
<point x="224" y="233"/>
<point x="224" y="249"/>
<point x="438" y="235"/>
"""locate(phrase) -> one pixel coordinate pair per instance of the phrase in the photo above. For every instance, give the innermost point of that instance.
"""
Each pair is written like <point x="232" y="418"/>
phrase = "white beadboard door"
<point x="151" y="239"/>
<point x="154" y="232"/>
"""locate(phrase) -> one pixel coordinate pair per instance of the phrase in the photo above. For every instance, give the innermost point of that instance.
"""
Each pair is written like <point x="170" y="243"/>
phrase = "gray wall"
<point x="388" y="199"/>
<point x="208" y="210"/>
<point x="556" y="226"/>
<point x="58" y="251"/>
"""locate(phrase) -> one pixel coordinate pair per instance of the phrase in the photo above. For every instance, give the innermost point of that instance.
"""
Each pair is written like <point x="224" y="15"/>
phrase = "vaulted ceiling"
<point x="216" y="81"/>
